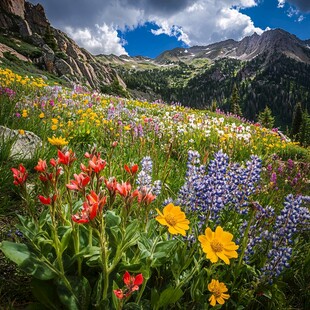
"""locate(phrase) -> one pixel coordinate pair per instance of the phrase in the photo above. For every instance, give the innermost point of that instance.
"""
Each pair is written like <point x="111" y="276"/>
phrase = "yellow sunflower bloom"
<point x="58" y="142"/>
<point x="218" y="244"/>
<point x="174" y="218"/>
<point x="217" y="289"/>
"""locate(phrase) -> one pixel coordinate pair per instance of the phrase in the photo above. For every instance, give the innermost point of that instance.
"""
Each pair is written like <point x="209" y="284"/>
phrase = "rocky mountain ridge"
<point x="59" y="55"/>
<point x="268" y="43"/>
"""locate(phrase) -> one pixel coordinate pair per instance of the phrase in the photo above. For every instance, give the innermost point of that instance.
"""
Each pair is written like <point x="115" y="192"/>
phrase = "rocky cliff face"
<point x="15" y="7"/>
<point x="60" y="54"/>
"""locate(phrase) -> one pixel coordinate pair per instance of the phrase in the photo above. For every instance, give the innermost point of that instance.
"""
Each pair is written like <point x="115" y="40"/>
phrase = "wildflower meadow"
<point x="145" y="205"/>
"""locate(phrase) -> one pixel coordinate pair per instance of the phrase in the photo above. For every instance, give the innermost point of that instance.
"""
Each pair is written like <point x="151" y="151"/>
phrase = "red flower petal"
<point x="126" y="278"/>
<point x="138" y="279"/>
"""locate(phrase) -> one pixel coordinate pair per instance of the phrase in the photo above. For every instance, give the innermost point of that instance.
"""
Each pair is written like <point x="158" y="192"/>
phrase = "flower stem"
<point x="245" y="239"/>
<point x="104" y="259"/>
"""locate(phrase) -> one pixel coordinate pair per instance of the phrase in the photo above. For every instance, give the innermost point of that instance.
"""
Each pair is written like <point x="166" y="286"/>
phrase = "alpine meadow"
<point x="175" y="182"/>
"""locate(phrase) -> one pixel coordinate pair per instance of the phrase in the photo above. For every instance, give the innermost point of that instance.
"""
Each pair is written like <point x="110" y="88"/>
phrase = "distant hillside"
<point x="272" y="69"/>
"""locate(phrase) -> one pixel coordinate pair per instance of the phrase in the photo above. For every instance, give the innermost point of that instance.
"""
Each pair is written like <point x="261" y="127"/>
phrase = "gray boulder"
<point x="24" y="145"/>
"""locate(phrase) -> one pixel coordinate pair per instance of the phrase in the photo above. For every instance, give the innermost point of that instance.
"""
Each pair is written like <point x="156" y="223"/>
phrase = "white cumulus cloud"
<point x="281" y="4"/>
<point x="206" y="22"/>
<point x="100" y="40"/>
<point x="194" y="22"/>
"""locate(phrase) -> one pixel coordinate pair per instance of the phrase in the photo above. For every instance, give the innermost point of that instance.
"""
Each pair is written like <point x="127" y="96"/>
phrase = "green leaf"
<point x="27" y="227"/>
<point x="132" y="306"/>
<point x="169" y="296"/>
<point x="112" y="219"/>
<point x="65" y="238"/>
<point x="267" y="294"/>
<point x="132" y="232"/>
<point x="144" y="251"/>
<point x="136" y="268"/>
<point x="20" y="254"/>
<point x="163" y="248"/>
<point x="94" y="261"/>
<point x="154" y="298"/>
<point x="97" y="291"/>
<point x="45" y="292"/>
<point x="162" y="252"/>
<point x="78" y="297"/>
<point x="113" y="229"/>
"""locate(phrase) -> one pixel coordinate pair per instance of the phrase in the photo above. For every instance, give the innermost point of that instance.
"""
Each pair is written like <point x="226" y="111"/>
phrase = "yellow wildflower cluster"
<point x="10" y="79"/>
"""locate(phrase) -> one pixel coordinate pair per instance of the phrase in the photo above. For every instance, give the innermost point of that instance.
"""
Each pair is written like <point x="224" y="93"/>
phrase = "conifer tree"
<point x="297" y="119"/>
<point x="304" y="133"/>
<point x="50" y="39"/>
<point x="265" y="118"/>
<point x="213" y="105"/>
<point x="235" y="102"/>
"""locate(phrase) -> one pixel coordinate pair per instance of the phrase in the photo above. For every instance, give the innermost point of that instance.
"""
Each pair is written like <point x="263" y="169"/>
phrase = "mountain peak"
<point x="268" y="43"/>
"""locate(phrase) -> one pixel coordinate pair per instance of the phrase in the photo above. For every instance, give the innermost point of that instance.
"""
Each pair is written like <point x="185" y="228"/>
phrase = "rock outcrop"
<point x="24" y="145"/>
<point x="15" y="7"/>
<point x="60" y="54"/>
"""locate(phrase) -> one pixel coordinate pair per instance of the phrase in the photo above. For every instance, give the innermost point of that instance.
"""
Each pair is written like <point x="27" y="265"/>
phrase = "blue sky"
<point x="149" y="27"/>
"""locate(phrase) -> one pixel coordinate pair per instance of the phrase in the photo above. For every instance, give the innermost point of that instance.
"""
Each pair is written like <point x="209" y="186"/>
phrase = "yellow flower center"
<point x="217" y="293"/>
<point x="170" y="219"/>
<point x="216" y="246"/>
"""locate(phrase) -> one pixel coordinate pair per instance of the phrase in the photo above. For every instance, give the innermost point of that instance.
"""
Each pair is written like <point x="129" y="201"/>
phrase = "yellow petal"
<point x="231" y="254"/>
<point x="209" y="234"/>
<point x="207" y="248"/>
<point x="182" y="226"/>
<point x="173" y="230"/>
<point x="227" y="237"/>
<point x="213" y="257"/>
<point x="218" y="232"/>
<point x="212" y="300"/>
<point x="203" y="239"/>
<point x="223" y="257"/>
<point x="220" y="300"/>
<point x="176" y="209"/>
<point x="179" y="216"/>
<point x="231" y="246"/>
<point x="159" y="212"/>
<point x="223" y="287"/>
<point x="168" y="208"/>
<point x="161" y="220"/>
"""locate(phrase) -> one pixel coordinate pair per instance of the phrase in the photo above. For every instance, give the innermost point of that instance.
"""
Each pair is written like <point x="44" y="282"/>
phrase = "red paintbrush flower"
<point x="66" y="158"/>
<point x="45" y="200"/>
<point x="143" y="196"/>
<point x="91" y="208"/>
<point x="20" y="175"/>
<point x="132" y="170"/>
<point x="41" y="166"/>
<point x="124" y="189"/>
<point x="119" y="293"/>
<point x="96" y="163"/>
<point x="80" y="182"/>
<point x="111" y="185"/>
<point x="132" y="284"/>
